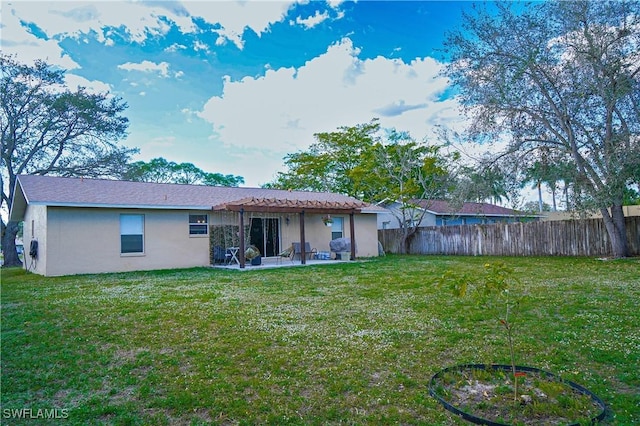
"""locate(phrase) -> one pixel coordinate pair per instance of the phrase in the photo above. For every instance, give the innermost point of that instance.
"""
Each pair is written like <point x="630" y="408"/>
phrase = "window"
<point x="131" y="233"/>
<point x="337" y="228"/>
<point x="198" y="224"/>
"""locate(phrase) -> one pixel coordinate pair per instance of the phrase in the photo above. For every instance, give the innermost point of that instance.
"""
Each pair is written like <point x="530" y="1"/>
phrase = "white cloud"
<point x="175" y="47"/>
<point x="72" y="81"/>
<point x="335" y="3"/>
<point x="198" y="45"/>
<point x="282" y="110"/>
<point x="314" y="20"/>
<point x="141" y="20"/>
<point x="17" y="40"/>
<point x="147" y="66"/>
<point x="71" y="19"/>
<point x="234" y="17"/>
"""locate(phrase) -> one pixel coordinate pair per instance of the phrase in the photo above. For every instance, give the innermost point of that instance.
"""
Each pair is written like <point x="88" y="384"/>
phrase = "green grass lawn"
<point x="352" y="343"/>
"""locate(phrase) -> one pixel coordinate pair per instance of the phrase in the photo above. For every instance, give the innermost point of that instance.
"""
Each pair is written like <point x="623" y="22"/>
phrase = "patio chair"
<point x="288" y="252"/>
<point x="308" y="251"/>
<point x="220" y="255"/>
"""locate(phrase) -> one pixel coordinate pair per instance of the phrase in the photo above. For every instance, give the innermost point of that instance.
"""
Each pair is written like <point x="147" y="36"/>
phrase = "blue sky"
<point x="234" y="86"/>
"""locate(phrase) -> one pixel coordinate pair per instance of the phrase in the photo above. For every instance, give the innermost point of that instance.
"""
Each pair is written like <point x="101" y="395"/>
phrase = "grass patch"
<point x="353" y="343"/>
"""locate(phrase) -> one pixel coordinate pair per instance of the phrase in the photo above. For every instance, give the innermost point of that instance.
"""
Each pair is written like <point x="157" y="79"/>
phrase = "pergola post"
<point x="352" y="231"/>
<point x="303" y="255"/>
<point x="241" y="234"/>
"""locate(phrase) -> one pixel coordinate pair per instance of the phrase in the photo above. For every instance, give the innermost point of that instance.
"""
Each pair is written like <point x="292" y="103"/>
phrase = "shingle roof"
<point x="59" y="191"/>
<point x="441" y="207"/>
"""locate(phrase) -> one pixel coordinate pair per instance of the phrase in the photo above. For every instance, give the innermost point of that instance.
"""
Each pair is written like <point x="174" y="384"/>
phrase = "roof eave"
<point x="18" y="203"/>
<point x="120" y="206"/>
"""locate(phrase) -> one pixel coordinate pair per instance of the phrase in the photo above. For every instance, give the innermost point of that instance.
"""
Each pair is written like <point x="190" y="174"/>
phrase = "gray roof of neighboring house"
<point x="441" y="207"/>
<point x="78" y="192"/>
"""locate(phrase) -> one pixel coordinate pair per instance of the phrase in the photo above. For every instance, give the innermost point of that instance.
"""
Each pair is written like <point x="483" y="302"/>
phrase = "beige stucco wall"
<point x="366" y="235"/>
<point x="87" y="240"/>
<point x="35" y="226"/>
<point x="318" y="235"/>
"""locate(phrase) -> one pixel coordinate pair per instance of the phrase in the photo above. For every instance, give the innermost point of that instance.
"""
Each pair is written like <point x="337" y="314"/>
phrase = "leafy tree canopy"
<point x="398" y="168"/>
<point x="160" y="170"/>
<point x="631" y="197"/>
<point x="560" y="76"/>
<point x="47" y="128"/>
<point x="375" y="165"/>
<point x="369" y="163"/>
<point x="484" y="182"/>
<point x="534" y="207"/>
<point x="328" y="163"/>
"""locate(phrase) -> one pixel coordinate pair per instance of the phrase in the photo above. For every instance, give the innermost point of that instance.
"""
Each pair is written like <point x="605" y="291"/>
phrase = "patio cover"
<point x="277" y="205"/>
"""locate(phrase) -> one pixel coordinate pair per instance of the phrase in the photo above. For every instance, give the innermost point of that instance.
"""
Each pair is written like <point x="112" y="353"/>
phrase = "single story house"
<point x="94" y="226"/>
<point x="444" y="213"/>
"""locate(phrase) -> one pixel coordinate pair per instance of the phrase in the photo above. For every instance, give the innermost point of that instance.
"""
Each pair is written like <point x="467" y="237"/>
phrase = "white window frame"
<point x="337" y="227"/>
<point x="131" y="227"/>
<point x="199" y="225"/>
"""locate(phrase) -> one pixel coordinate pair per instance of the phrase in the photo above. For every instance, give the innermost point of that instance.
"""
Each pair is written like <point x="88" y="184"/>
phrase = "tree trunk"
<point x="540" y="204"/>
<point x="404" y="243"/>
<point x="9" y="232"/>
<point x="617" y="230"/>
<point x="407" y="237"/>
<point x="553" y="189"/>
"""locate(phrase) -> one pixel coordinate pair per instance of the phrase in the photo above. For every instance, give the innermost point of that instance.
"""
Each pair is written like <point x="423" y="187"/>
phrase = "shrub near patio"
<point x="348" y="343"/>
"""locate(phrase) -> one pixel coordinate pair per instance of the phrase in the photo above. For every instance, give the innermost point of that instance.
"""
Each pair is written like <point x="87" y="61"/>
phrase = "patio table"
<point x="234" y="254"/>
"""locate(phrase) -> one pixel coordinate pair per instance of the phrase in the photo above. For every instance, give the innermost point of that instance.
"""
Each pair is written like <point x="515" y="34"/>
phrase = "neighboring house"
<point x="443" y="213"/>
<point x="93" y="226"/>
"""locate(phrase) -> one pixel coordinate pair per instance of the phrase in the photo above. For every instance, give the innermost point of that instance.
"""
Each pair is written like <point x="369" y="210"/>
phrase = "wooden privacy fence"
<point x="586" y="237"/>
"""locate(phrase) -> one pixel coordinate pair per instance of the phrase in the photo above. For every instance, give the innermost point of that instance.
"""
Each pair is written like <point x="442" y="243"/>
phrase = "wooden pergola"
<point x="275" y="205"/>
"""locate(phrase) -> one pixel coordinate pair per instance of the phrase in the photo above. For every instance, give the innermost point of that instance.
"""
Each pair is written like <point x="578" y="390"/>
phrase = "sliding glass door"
<point x="265" y="234"/>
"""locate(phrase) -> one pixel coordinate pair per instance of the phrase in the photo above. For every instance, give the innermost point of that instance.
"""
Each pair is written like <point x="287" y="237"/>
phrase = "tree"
<point x="534" y="207"/>
<point x="548" y="171"/>
<point x="374" y="165"/>
<point x="484" y="181"/>
<point x="328" y="163"/>
<point x="48" y="129"/>
<point x="564" y="76"/>
<point x="160" y="170"/>
<point x="631" y="197"/>
<point x="400" y="170"/>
